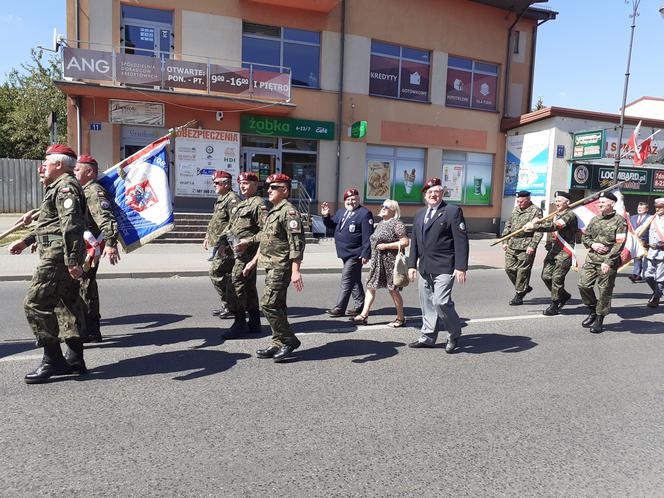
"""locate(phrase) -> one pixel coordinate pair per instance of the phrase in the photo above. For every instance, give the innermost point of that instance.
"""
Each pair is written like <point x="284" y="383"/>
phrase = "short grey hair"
<point x="67" y="161"/>
<point x="394" y="206"/>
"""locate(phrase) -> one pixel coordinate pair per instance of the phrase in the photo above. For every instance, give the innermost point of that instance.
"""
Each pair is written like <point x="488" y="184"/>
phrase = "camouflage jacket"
<point x="246" y="222"/>
<point x="282" y="238"/>
<point x="517" y="220"/>
<point x="567" y="226"/>
<point x="61" y="223"/>
<point x="100" y="213"/>
<point x="610" y="230"/>
<point x="221" y="216"/>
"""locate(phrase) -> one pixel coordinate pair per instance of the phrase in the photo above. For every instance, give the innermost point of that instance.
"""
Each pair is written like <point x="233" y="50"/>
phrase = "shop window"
<point x="471" y="84"/>
<point x="146" y="31"/>
<point x="467" y="177"/>
<point x="258" y="141"/>
<point x="283" y="49"/>
<point x="399" y="72"/>
<point x="394" y="173"/>
<point x="301" y="168"/>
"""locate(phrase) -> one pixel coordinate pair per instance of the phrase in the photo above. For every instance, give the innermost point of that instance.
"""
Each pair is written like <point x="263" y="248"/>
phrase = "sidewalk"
<point x="190" y="260"/>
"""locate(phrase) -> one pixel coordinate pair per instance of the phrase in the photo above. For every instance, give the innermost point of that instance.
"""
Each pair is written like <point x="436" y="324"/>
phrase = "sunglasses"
<point x="275" y="187"/>
<point x="385" y="207"/>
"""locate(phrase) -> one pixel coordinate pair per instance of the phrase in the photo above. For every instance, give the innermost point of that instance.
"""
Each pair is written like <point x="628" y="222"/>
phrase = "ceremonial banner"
<point x="139" y="187"/>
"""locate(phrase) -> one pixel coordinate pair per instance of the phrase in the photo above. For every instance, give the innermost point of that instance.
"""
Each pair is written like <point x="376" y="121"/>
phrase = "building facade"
<point x="378" y="94"/>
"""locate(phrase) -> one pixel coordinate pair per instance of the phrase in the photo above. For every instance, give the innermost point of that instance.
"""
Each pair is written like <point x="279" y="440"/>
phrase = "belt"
<point x="46" y="240"/>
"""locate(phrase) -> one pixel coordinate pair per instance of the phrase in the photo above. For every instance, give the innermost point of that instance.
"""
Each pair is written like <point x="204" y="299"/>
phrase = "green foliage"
<point x="27" y="98"/>
<point x="539" y="104"/>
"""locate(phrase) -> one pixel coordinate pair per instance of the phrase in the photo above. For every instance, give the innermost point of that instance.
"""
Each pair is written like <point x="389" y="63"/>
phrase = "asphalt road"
<point x="530" y="406"/>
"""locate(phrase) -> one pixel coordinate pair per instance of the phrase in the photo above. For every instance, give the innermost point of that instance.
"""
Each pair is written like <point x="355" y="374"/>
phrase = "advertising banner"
<point x="379" y="180"/>
<point x="286" y="127"/>
<point x="453" y="182"/>
<point x="656" y="157"/>
<point x="133" y="112"/>
<point x="588" y="145"/>
<point x="658" y="181"/>
<point x="477" y="184"/>
<point x="85" y="64"/>
<point x="485" y="88"/>
<point x="458" y="88"/>
<point x="137" y="69"/>
<point x="384" y="76"/>
<point x="271" y="85"/>
<point x="408" y="181"/>
<point x="183" y="74"/>
<point x="643" y="181"/>
<point x="529" y="154"/>
<point x="414" y="81"/>
<point x="198" y="154"/>
<point x="229" y="80"/>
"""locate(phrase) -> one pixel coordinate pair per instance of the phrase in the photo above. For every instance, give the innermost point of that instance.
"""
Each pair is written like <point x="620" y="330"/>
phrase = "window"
<point x="394" y="173"/>
<point x="283" y="49"/>
<point x="471" y="84"/>
<point x="146" y="31"/>
<point x="399" y="72"/>
<point x="515" y="42"/>
<point x="467" y="177"/>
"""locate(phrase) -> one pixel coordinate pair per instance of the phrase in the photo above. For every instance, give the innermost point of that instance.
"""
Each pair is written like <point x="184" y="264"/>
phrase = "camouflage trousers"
<point x="591" y="275"/>
<point x="221" y="277"/>
<point x="273" y="305"/>
<point x="246" y="295"/>
<point x="90" y="300"/>
<point x="556" y="267"/>
<point x="518" y="265"/>
<point x="52" y="296"/>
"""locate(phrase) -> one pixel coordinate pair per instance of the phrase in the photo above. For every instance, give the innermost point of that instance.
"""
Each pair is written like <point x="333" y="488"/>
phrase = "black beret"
<point x="523" y="193"/>
<point x="608" y="195"/>
<point x="562" y="193"/>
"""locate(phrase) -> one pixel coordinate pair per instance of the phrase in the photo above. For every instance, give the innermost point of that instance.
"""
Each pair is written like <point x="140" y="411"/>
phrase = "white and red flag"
<point x="641" y="150"/>
<point x="633" y="246"/>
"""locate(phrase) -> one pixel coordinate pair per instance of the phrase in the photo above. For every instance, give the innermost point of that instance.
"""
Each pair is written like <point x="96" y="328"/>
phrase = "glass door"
<point x="263" y="163"/>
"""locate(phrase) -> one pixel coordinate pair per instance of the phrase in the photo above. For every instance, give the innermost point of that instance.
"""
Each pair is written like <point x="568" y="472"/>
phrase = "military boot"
<point x="596" y="327"/>
<point x="564" y="298"/>
<point x="53" y="363"/>
<point x="590" y="319"/>
<point x="238" y="328"/>
<point x="517" y="300"/>
<point x="254" y="326"/>
<point x="74" y="356"/>
<point x="553" y="309"/>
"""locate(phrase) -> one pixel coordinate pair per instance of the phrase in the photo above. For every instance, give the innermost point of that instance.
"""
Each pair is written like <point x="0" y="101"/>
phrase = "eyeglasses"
<point x="275" y="187"/>
<point x="385" y="207"/>
<point x="219" y="183"/>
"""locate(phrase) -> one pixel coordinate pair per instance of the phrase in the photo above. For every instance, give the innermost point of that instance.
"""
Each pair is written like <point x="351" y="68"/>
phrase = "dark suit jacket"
<point x="442" y="246"/>
<point x="634" y="221"/>
<point x="352" y="240"/>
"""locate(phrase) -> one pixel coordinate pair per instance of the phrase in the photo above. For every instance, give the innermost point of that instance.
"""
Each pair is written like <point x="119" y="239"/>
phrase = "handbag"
<point x="400" y="272"/>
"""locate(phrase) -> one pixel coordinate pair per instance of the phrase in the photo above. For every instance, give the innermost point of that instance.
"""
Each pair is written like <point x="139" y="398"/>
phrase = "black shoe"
<point x="267" y="352"/>
<point x="53" y="363"/>
<point x="527" y="291"/>
<point x="226" y="314"/>
<point x="218" y="312"/>
<point x="238" y="328"/>
<point x="590" y="319"/>
<point x="552" y="310"/>
<point x="92" y="338"/>
<point x="451" y="346"/>
<point x="74" y="357"/>
<point x="596" y="327"/>
<point x="563" y="300"/>
<point x="254" y="325"/>
<point x="653" y="302"/>
<point x="418" y="344"/>
<point x="335" y="312"/>
<point x="284" y="352"/>
<point x="517" y="300"/>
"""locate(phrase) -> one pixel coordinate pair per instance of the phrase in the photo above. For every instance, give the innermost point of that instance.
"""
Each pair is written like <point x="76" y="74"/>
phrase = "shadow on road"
<point x="151" y="320"/>
<point x="365" y="350"/>
<point x="494" y="343"/>
<point x="210" y="336"/>
<point x="198" y="362"/>
<point x="12" y="348"/>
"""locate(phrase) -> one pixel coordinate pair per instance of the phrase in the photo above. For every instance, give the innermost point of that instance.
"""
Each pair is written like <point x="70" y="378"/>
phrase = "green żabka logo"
<point x="269" y="127"/>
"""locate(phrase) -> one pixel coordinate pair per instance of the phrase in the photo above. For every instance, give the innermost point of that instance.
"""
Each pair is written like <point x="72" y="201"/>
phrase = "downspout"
<point x="78" y="98"/>
<point x="532" y="60"/>
<point x="508" y="61"/>
<point x="340" y="110"/>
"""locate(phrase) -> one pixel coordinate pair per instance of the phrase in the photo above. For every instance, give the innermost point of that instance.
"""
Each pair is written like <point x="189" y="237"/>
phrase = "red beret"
<point x="278" y="178"/>
<point x="86" y="159"/>
<point x="349" y="192"/>
<point x="221" y="175"/>
<point x="60" y="149"/>
<point x="431" y="182"/>
<point x="247" y="176"/>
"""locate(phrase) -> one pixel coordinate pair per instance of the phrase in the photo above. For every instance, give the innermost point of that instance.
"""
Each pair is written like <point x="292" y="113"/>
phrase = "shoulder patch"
<point x="370" y="221"/>
<point x="68" y="203"/>
<point x="65" y="190"/>
<point x="462" y="226"/>
<point x="294" y="225"/>
<point x="292" y="212"/>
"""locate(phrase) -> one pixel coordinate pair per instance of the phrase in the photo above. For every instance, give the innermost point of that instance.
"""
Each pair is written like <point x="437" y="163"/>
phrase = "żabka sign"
<point x="83" y="64"/>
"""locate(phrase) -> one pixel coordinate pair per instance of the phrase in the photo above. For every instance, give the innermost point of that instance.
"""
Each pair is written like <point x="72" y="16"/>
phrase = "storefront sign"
<point x="384" y="76"/>
<point x="458" y="88"/>
<point x="414" y="81"/>
<point x="183" y="74"/>
<point x="87" y="64"/>
<point x="588" y="145"/>
<point x="644" y="181"/>
<point x="358" y="129"/>
<point x="229" y="80"/>
<point x="286" y="127"/>
<point x="484" y="91"/>
<point x="527" y="163"/>
<point x="198" y="154"/>
<point x="658" y="181"/>
<point x="136" y="113"/>
<point x="137" y="69"/>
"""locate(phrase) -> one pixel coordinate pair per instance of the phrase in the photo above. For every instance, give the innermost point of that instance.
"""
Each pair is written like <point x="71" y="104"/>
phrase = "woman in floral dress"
<point x="384" y="248"/>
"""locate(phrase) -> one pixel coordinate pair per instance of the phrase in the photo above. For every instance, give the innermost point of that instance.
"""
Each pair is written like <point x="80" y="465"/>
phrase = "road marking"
<point x="21" y="358"/>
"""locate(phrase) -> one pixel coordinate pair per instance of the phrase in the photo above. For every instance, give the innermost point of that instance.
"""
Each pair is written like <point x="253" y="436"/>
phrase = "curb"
<point x="201" y="273"/>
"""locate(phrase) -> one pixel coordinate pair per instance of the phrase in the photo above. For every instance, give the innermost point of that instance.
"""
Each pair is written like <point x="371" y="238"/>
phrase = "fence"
<point x="20" y="189"/>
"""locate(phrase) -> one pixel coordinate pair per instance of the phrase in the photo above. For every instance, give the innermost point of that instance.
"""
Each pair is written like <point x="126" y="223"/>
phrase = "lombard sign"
<point x="645" y="181"/>
<point x="588" y="145"/>
<point x="286" y="127"/>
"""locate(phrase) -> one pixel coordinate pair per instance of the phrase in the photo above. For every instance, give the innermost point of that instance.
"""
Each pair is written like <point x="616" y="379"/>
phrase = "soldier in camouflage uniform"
<point x="281" y="252"/>
<point x="243" y="231"/>
<point x="520" y="249"/>
<point x="101" y="225"/>
<point x="560" y="255"/>
<point x="222" y="260"/>
<point x="59" y="237"/>
<point x="605" y="239"/>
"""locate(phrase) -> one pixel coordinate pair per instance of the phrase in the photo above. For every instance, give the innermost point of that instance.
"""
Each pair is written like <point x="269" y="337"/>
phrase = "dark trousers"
<point x="351" y="284"/>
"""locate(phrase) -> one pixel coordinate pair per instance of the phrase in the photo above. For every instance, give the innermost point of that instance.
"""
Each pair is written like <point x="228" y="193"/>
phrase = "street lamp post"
<point x="635" y="12"/>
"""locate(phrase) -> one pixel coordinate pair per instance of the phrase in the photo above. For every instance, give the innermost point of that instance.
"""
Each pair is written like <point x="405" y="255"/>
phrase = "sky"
<point x="581" y="56"/>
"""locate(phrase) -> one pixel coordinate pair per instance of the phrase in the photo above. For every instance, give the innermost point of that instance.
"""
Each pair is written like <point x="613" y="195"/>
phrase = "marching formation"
<point x="76" y="227"/>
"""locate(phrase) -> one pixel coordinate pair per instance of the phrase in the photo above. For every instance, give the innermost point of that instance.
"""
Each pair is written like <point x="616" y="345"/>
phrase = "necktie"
<point x="343" y="221"/>
<point x="429" y="215"/>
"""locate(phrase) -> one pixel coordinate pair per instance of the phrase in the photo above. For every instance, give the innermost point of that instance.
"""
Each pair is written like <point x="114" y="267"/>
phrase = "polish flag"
<point x="631" y="145"/>
<point x="644" y="149"/>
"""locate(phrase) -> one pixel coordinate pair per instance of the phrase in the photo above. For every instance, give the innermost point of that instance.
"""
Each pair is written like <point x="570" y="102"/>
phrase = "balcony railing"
<point x="203" y="74"/>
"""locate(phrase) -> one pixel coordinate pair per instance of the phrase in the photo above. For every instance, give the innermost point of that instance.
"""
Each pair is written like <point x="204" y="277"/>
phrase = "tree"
<point x="26" y="100"/>
<point x="539" y="104"/>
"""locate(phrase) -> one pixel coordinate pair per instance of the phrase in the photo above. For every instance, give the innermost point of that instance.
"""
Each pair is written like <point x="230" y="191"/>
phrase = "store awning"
<point x="187" y="99"/>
